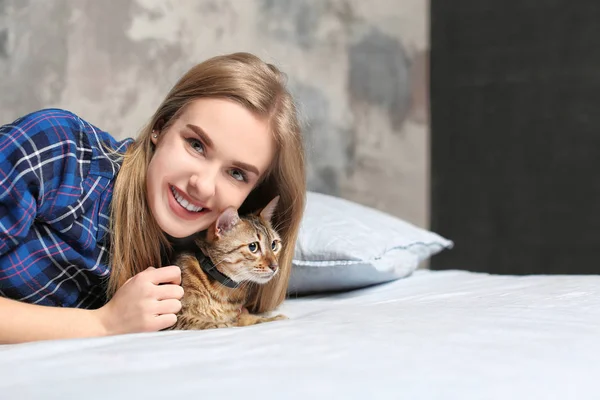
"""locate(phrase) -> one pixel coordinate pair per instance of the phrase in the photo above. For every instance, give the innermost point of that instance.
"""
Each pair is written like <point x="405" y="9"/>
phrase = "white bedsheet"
<point x="434" y="335"/>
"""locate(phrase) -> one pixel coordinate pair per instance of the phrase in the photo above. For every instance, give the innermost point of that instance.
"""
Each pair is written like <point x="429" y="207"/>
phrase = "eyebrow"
<point x="206" y="139"/>
<point x="247" y="167"/>
<point x="200" y="132"/>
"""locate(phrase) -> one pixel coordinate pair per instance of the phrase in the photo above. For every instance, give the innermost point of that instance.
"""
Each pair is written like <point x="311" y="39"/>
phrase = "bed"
<point x="366" y="321"/>
<point x="434" y="335"/>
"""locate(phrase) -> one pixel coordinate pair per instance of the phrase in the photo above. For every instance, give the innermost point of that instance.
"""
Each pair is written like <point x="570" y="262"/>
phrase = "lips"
<point x="183" y="206"/>
<point x="188" y="205"/>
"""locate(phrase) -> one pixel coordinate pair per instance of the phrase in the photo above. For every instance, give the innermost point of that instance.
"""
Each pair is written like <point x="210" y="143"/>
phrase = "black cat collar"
<point x="209" y="268"/>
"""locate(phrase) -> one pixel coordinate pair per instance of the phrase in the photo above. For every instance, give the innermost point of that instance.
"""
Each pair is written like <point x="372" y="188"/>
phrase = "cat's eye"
<point x="253" y="247"/>
<point x="275" y="245"/>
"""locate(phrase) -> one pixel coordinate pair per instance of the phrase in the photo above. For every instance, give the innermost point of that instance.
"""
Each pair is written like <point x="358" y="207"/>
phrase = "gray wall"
<point x="358" y="69"/>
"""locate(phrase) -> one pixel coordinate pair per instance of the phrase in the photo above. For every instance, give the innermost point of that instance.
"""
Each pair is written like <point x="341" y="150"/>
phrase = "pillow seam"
<point x="351" y="262"/>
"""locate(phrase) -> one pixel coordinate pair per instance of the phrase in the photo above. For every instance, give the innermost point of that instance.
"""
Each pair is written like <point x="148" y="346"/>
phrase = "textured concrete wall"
<point x="358" y="69"/>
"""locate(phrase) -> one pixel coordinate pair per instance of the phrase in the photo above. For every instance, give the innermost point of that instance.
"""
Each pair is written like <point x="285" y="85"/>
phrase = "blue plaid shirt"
<point x="56" y="181"/>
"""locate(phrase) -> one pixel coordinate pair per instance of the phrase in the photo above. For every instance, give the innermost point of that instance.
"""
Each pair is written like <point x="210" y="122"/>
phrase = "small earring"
<point x="155" y="136"/>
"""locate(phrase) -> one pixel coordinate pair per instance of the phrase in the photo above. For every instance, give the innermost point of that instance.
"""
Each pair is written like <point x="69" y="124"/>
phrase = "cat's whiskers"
<point x="230" y="255"/>
<point x="256" y="274"/>
<point x="277" y="225"/>
<point x="236" y="276"/>
<point x="220" y="262"/>
<point x="229" y="278"/>
<point x="252" y="285"/>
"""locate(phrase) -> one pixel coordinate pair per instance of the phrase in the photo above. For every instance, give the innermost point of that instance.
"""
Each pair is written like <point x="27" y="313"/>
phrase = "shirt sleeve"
<point x="36" y="158"/>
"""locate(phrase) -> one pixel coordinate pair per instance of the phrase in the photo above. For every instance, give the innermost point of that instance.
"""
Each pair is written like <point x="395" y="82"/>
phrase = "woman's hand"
<point x="147" y="302"/>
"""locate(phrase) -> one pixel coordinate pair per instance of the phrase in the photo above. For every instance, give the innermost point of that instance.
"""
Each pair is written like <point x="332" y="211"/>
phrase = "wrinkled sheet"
<point x="434" y="335"/>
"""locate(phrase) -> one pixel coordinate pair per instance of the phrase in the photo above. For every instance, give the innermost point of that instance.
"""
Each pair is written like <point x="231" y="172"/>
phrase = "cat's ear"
<point x="267" y="212"/>
<point x="226" y="221"/>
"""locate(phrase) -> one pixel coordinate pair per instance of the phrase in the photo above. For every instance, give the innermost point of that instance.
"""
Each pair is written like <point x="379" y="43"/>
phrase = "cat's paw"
<point x="251" y="319"/>
<point x="279" y="317"/>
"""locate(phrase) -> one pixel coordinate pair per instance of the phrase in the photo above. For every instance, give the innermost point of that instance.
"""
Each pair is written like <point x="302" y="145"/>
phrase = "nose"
<point x="203" y="186"/>
<point x="273" y="266"/>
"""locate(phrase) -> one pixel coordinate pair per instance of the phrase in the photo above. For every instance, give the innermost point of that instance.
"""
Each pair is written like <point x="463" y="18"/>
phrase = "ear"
<point x="226" y="221"/>
<point x="267" y="212"/>
<point x="156" y="131"/>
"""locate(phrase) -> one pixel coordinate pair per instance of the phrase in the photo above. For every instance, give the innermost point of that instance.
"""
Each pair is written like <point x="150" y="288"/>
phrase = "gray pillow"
<point x="344" y="245"/>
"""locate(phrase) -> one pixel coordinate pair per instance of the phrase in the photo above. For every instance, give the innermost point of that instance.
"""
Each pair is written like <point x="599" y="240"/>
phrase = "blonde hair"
<point x="137" y="241"/>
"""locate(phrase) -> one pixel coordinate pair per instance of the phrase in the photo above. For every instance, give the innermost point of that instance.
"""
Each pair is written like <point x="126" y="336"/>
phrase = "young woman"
<point x="86" y="221"/>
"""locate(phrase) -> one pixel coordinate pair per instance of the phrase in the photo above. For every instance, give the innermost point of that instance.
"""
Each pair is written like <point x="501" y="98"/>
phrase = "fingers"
<point x="165" y="292"/>
<point x="164" y="321"/>
<point x="170" y="274"/>
<point x="170" y="306"/>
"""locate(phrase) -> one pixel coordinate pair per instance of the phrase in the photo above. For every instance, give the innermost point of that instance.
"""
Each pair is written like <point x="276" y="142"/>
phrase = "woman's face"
<point x="208" y="159"/>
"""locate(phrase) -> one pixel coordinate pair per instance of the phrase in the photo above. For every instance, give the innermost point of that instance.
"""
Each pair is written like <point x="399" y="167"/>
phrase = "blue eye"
<point x="196" y="145"/>
<point x="274" y="245"/>
<point x="253" y="247"/>
<point x="238" y="175"/>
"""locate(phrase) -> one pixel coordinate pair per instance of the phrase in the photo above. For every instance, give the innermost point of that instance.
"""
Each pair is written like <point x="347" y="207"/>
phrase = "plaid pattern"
<point x="56" y="180"/>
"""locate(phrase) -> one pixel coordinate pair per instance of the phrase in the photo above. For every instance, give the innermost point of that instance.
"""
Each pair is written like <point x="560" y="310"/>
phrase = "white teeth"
<point x="184" y="203"/>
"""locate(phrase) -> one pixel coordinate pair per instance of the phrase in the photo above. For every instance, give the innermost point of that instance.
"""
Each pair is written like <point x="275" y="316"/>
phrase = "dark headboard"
<point x="515" y="135"/>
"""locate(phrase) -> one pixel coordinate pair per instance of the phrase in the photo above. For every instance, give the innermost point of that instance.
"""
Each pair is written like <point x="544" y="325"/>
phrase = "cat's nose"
<point x="273" y="267"/>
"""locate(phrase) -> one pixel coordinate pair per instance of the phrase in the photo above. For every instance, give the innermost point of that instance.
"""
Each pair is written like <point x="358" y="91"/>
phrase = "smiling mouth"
<point x="184" y="203"/>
